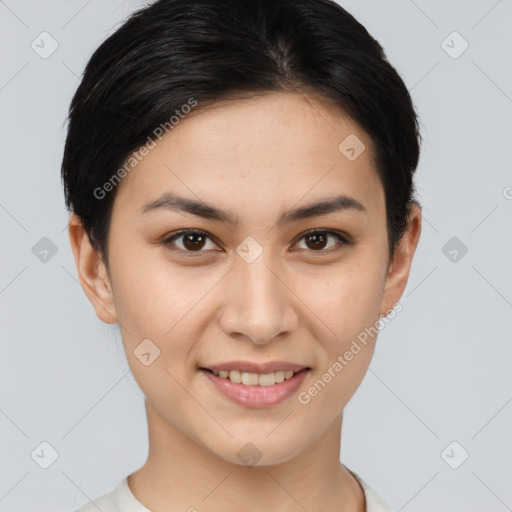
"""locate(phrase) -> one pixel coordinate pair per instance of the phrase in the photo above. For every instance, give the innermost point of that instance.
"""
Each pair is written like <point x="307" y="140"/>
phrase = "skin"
<point x="300" y="302"/>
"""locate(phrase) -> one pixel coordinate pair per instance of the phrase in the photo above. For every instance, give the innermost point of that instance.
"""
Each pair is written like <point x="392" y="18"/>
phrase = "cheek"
<point x="158" y="302"/>
<point x="346" y="299"/>
<point x="151" y="295"/>
<point x="350" y="309"/>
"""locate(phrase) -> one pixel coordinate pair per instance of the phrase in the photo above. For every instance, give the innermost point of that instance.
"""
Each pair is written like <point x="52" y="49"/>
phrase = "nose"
<point x="259" y="304"/>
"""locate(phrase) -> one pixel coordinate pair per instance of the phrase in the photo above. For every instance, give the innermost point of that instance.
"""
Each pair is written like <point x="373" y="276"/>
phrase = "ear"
<point x="92" y="272"/>
<point x="398" y="272"/>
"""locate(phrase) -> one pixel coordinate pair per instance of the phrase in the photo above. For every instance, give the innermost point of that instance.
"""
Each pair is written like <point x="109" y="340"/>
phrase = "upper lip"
<point x="251" y="367"/>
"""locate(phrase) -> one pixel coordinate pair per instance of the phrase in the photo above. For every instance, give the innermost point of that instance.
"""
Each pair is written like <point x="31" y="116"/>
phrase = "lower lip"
<point x="257" y="396"/>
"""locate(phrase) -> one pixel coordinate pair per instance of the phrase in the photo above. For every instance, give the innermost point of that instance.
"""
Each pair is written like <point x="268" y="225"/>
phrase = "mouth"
<point x="256" y="390"/>
<point x="254" y="374"/>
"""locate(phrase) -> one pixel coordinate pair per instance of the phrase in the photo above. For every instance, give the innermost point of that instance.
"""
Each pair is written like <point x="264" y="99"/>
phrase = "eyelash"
<point x="342" y="240"/>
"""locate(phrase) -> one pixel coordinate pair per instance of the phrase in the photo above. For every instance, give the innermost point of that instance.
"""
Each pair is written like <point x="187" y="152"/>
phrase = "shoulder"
<point x="374" y="503"/>
<point x="119" y="499"/>
<point x="106" y="502"/>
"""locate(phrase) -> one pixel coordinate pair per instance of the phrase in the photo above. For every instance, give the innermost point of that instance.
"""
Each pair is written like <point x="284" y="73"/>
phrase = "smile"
<point x="255" y="390"/>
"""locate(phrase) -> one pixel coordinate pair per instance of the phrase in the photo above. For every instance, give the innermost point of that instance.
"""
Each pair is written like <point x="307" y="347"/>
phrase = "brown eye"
<point x="316" y="240"/>
<point x="191" y="240"/>
<point x="194" y="241"/>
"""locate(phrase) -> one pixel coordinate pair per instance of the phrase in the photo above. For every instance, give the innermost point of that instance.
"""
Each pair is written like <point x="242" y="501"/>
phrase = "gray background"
<point x="441" y="371"/>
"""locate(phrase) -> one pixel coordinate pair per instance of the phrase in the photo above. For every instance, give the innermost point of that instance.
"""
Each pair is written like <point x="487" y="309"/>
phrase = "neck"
<point x="180" y="474"/>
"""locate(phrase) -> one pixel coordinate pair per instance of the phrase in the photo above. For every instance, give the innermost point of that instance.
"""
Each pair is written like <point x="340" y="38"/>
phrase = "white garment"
<point x="121" y="499"/>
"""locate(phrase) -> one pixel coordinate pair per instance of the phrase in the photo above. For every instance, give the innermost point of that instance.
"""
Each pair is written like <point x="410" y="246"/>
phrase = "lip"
<point x="252" y="367"/>
<point x="256" y="396"/>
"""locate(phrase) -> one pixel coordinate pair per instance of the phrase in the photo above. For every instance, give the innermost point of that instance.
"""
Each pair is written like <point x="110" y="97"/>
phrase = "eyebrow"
<point x="174" y="202"/>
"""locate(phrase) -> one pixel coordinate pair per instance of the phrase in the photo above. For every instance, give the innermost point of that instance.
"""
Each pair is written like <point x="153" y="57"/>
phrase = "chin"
<point x="254" y="451"/>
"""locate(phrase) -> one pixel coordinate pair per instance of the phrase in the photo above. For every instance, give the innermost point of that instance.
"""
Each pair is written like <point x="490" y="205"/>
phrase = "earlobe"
<point x="398" y="273"/>
<point x="92" y="272"/>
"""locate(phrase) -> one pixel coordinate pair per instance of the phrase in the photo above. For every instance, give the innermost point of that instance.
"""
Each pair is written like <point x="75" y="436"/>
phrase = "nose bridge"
<point x="259" y="304"/>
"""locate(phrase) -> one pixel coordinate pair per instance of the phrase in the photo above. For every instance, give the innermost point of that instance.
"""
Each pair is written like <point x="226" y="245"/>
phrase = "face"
<point x="252" y="281"/>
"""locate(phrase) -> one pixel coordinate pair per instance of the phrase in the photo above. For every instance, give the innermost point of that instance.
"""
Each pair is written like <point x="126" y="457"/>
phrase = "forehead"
<point x="275" y="147"/>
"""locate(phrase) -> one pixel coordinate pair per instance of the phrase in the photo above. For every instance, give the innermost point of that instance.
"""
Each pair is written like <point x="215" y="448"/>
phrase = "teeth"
<point x="250" y="379"/>
<point x="235" y="376"/>
<point x="279" y="376"/>
<point x="255" y="379"/>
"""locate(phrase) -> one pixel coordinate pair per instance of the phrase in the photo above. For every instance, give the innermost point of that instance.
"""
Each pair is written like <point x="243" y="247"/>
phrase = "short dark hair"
<point x="174" y="50"/>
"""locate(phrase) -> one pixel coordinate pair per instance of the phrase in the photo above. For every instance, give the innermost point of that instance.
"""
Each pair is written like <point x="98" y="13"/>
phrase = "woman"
<point x="240" y="178"/>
